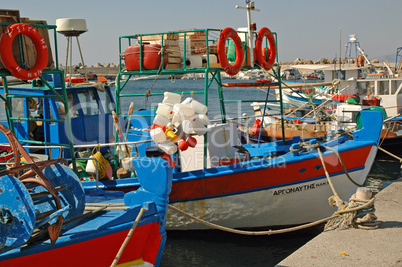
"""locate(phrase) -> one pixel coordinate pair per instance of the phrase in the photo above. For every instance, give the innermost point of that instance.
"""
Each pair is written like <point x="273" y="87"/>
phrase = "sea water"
<point x="218" y="248"/>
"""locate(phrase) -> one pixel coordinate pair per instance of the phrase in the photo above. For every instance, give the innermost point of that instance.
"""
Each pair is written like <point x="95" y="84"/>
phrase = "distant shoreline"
<point x="111" y="70"/>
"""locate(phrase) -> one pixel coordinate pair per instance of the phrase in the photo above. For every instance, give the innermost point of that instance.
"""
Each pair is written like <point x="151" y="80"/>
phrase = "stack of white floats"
<point x="175" y="121"/>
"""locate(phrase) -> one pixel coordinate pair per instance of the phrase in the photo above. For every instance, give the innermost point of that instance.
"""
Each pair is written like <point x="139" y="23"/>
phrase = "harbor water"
<point x="218" y="248"/>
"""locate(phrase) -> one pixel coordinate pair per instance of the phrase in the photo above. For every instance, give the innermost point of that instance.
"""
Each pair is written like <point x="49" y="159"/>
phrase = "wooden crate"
<point x="171" y="66"/>
<point x="170" y="43"/>
<point x="196" y="42"/>
<point x="10" y="16"/>
<point x="29" y="51"/>
<point x="158" y="37"/>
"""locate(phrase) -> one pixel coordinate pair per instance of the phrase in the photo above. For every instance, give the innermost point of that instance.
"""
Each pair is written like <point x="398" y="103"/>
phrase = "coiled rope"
<point x="347" y="215"/>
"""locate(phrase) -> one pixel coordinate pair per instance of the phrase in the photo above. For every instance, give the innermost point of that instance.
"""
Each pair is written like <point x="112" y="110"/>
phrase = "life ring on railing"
<point x="223" y="59"/>
<point x="262" y="61"/>
<point x="7" y="55"/>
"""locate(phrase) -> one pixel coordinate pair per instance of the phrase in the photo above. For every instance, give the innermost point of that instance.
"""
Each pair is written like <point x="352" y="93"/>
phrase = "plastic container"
<point x="157" y="135"/>
<point x="198" y="127"/>
<point x="187" y="100"/>
<point x="184" y="110"/>
<point x="191" y="141"/>
<point x="179" y="132"/>
<point x="165" y="110"/>
<point x="193" y="62"/>
<point x="187" y="127"/>
<point x="171" y="135"/>
<point x="171" y="98"/>
<point x="212" y="60"/>
<point x="198" y="107"/>
<point x="176" y="120"/>
<point x="201" y="118"/>
<point x="161" y="120"/>
<point x="168" y="147"/>
<point x="151" y="57"/>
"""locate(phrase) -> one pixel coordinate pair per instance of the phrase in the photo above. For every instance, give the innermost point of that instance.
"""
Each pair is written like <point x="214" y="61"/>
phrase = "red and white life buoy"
<point x="7" y="55"/>
<point x="223" y="59"/>
<point x="260" y="55"/>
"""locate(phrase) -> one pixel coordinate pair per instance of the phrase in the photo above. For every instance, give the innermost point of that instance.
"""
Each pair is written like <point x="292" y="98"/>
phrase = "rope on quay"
<point x="347" y="215"/>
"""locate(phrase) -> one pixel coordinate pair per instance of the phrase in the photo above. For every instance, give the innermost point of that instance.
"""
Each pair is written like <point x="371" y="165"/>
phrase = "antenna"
<point x="249" y="6"/>
<point x="340" y="48"/>
<point x="354" y="42"/>
<point x="70" y="28"/>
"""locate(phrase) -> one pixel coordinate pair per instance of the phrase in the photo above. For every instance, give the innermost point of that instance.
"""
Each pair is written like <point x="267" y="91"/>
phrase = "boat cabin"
<point x="39" y="118"/>
<point x="387" y="88"/>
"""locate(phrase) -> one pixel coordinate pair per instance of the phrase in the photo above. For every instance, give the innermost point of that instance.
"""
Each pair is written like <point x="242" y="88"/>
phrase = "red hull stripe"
<point x="264" y="178"/>
<point x="101" y="251"/>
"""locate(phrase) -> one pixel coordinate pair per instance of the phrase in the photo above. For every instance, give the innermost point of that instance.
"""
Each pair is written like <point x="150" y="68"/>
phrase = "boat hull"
<point x="280" y="197"/>
<point x="142" y="249"/>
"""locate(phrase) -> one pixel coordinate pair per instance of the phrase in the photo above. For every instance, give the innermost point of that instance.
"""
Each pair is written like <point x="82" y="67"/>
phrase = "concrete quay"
<point x="357" y="247"/>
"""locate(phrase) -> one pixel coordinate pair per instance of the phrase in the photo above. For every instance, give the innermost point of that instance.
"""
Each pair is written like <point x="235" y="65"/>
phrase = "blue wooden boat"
<point x="50" y="220"/>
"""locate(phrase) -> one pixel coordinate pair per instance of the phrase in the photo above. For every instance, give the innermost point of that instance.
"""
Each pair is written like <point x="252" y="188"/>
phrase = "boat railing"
<point x="207" y="43"/>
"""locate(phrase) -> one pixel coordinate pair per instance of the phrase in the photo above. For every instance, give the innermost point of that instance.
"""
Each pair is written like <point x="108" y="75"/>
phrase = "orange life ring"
<point x="266" y="64"/>
<point x="7" y="55"/>
<point x="223" y="59"/>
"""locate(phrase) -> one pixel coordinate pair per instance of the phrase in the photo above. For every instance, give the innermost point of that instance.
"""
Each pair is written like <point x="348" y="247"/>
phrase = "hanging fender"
<point x="225" y="34"/>
<point x="260" y="55"/>
<point x="7" y="55"/>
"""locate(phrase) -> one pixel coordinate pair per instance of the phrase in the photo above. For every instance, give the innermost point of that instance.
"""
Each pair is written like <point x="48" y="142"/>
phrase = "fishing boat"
<point x="215" y="178"/>
<point x="47" y="219"/>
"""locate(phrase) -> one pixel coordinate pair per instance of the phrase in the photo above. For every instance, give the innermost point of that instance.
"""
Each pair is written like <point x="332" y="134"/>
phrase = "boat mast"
<point x="249" y="7"/>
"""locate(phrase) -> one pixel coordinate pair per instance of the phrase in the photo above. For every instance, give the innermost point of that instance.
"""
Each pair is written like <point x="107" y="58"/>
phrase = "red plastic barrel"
<point x="256" y="127"/>
<point x="151" y="57"/>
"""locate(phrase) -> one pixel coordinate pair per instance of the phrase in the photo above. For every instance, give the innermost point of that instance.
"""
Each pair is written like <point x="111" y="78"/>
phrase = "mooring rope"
<point x="242" y="232"/>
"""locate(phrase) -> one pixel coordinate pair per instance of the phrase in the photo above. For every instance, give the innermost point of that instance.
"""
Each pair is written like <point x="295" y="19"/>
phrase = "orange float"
<point x="259" y="53"/>
<point x="223" y="59"/>
<point x="7" y="55"/>
<point x="75" y="80"/>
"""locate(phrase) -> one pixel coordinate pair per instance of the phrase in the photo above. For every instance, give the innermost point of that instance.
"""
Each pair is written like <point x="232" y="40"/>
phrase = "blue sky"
<point x="307" y="29"/>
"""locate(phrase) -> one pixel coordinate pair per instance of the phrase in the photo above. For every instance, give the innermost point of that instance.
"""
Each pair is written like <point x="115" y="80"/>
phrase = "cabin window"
<point x="365" y="87"/>
<point x="349" y="116"/>
<point x="3" y="115"/>
<point x="17" y="109"/>
<point x="73" y="109"/>
<point x="106" y="101"/>
<point x="394" y="86"/>
<point x="383" y="87"/>
<point x="340" y="75"/>
<point x="89" y="103"/>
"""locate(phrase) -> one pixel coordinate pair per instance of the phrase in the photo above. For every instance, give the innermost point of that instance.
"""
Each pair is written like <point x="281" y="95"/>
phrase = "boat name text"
<point x="298" y="188"/>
